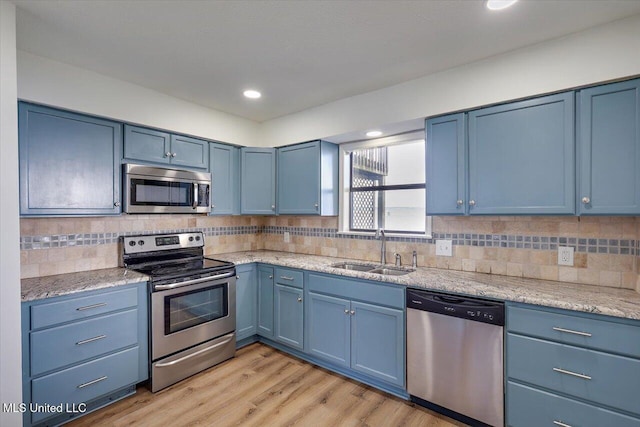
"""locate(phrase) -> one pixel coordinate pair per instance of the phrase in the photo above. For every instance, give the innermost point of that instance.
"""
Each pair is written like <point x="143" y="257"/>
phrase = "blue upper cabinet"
<point x="609" y="149"/>
<point x="308" y="179"/>
<point x="258" y="181"/>
<point x="446" y="165"/>
<point x="150" y="145"/>
<point x="522" y="157"/>
<point x="224" y="165"/>
<point x="69" y="163"/>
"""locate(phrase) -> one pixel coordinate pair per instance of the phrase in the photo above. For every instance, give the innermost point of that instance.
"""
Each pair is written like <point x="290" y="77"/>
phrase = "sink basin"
<point x="356" y="267"/>
<point x="373" y="268"/>
<point x="388" y="271"/>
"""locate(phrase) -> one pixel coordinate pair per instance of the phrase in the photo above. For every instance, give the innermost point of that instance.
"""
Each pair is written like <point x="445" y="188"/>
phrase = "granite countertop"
<point x="71" y="283"/>
<point x="592" y="299"/>
<point x="571" y="296"/>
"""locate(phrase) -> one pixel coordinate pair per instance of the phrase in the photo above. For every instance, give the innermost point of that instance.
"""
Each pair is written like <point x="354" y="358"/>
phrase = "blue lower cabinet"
<point x="289" y="312"/>
<point x="265" y="301"/>
<point x="78" y="364"/>
<point x="377" y="342"/>
<point x="329" y="323"/>
<point x="246" y="301"/>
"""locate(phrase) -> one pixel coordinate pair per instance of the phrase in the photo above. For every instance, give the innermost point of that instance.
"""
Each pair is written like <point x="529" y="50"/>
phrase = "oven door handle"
<point x="189" y="356"/>
<point x="193" y="282"/>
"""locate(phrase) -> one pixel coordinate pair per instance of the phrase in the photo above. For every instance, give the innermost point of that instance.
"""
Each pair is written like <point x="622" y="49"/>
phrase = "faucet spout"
<point x="383" y="247"/>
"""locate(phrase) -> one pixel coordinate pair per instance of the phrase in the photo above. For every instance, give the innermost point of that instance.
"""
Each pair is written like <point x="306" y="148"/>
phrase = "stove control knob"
<point x="141" y="242"/>
<point x="191" y="238"/>
<point x="197" y="238"/>
<point x="132" y="243"/>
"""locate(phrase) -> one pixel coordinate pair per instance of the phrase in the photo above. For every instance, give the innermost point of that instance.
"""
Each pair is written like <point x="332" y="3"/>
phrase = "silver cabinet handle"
<point x="87" y="341"/>
<point x="472" y="202"/>
<point x="213" y="206"/>
<point x="573" y="374"/>
<point x="238" y="277"/>
<point x="353" y="312"/>
<point x="273" y="207"/>
<point x="315" y="205"/>
<point x="270" y="277"/>
<point x="167" y="154"/>
<point x="569" y="331"/>
<point x="459" y="202"/>
<point x="586" y="200"/>
<point x="286" y="278"/>
<point x="89" y="307"/>
<point x="116" y="204"/>
<point x="173" y="154"/>
<point x="299" y="299"/>
<point x="346" y="311"/>
<point x="97" y="380"/>
<point x="560" y="423"/>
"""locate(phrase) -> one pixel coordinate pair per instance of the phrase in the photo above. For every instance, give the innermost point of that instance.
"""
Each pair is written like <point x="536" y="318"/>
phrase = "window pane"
<point x="404" y="210"/>
<point x="405" y="164"/>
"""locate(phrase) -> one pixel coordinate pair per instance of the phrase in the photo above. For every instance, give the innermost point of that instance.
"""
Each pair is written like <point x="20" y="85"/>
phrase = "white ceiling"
<point x="300" y="54"/>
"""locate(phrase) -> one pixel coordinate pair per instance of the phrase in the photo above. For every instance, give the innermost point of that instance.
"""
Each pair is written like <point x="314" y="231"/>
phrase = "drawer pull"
<point x="286" y="278"/>
<point x="97" y="380"/>
<point x="574" y="374"/>
<point x="89" y="307"/>
<point x="560" y="423"/>
<point x="569" y="331"/>
<point x="88" y="340"/>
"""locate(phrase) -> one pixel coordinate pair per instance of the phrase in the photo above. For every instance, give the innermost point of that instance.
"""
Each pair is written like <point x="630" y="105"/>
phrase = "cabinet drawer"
<point x="529" y="407"/>
<point x="354" y="289"/>
<point x="571" y="329"/>
<point x="598" y="377"/>
<point x="284" y="276"/>
<point x="64" y="345"/>
<point x="85" y="382"/>
<point x="53" y="313"/>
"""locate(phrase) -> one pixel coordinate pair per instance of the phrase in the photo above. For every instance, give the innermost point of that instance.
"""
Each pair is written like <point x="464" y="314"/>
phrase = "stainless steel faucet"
<point x="414" y="259"/>
<point x="398" y="260"/>
<point x="383" y="248"/>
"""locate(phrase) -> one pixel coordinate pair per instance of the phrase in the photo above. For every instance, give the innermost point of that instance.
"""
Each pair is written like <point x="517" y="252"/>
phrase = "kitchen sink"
<point x="373" y="268"/>
<point x="356" y="267"/>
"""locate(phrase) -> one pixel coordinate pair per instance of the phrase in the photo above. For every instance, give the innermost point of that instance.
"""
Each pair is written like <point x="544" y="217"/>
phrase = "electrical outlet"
<point x="287" y="237"/>
<point x="565" y="255"/>
<point x="443" y="248"/>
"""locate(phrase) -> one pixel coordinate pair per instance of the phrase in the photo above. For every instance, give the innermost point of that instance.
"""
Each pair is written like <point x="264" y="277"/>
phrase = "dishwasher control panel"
<point x="475" y="309"/>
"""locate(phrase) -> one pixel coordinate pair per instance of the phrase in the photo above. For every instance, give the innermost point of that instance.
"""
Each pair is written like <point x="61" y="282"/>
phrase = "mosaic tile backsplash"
<point x="607" y="249"/>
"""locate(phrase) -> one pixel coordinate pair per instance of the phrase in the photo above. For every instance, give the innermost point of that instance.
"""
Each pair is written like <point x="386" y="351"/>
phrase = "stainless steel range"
<point x="192" y="310"/>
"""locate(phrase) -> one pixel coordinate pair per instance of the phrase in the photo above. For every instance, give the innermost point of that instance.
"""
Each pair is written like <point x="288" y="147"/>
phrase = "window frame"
<point x="344" y="202"/>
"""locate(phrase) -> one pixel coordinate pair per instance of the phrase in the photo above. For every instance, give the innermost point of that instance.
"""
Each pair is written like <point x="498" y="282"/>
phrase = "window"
<point x="383" y="184"/>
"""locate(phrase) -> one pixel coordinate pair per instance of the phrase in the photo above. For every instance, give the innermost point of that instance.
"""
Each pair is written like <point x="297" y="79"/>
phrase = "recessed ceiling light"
<point x="499" y="4"/>
<point x="373" y="133"/>
<point x="253" y="94"/>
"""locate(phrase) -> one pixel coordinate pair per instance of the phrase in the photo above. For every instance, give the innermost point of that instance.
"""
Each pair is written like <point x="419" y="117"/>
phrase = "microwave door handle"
<point x="195" y="195"/>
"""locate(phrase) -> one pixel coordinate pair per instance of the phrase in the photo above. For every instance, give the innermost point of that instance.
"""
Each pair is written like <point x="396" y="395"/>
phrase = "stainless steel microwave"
<point x="152" y="189"/>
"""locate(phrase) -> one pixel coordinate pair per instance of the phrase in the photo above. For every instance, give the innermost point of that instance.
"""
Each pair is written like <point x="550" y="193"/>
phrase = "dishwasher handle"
<point x="474" y="309"/>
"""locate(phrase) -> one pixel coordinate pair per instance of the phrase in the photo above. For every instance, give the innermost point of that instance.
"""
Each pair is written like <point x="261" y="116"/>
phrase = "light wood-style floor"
<point x="262" y="387"/>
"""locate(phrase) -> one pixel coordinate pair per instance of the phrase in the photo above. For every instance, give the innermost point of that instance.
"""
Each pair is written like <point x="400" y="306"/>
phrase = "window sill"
<point x="373" y="234"/>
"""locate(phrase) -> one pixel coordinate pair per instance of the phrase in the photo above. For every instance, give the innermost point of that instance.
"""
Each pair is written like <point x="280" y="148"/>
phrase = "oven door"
<point x="189" y="313"/>
<point x="149" y="194"/>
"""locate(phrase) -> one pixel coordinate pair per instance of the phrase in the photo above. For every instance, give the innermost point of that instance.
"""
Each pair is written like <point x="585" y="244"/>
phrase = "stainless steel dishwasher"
<point x="455" y="356"/>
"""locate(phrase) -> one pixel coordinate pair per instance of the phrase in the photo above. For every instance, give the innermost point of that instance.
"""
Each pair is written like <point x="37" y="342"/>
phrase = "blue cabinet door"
<point x="377" y="342"/>
<point x="329" y="335"/>
<point x="189" y="152"/>
<point x="265" y="301"/>
<point x="446" y="165"/>
<point x="147" y="145"/>
<point x="69" y="163"/>
<point x="289" y="315"/>
<point x="609" y="149"/>
<point x="521" y="157"/>
<point x="258" y="181"/>
<point x="308" y="179"/>
<point x="224" y="164"/>
<point x="246" y="301"/>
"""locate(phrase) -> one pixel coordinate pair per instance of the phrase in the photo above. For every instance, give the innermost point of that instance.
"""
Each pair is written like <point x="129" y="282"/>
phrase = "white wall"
<point x="10" y="356"/>
<point x="45" y="81"/>
<point x="596" y="55"/>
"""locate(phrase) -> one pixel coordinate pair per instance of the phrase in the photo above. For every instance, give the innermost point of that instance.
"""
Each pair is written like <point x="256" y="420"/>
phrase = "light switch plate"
<point x="565" y="255"/>
<point x="443" y="248"/>
<point x="287" y="237"/>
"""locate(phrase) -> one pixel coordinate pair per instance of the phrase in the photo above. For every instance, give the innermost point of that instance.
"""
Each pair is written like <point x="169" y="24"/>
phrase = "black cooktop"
<point x="191" y="266"/>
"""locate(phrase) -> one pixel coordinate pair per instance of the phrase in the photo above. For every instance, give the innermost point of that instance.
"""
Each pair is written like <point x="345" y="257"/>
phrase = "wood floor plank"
<point x="261" y="387"/>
